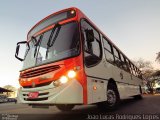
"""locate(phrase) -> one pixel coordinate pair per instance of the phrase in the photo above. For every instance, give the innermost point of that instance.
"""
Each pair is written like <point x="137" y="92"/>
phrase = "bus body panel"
<point x="126" y="86"/>
<point x="99" y="76"/>
<point x="96" y="90"/>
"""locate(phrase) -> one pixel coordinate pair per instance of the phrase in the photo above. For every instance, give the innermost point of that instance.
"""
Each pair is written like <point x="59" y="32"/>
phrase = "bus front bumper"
<point x="69" y="93"/>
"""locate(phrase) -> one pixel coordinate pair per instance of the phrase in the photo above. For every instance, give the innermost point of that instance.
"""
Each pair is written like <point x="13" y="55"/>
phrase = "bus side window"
<point x="136" y="71"/>
<point x="133" y="70"/>
<point x="108" y="51"/>
<point x="128" y="65"/>
<point x="92" y="44"/>
<point x="123" y="64"/>
<point x="116" y="57"/>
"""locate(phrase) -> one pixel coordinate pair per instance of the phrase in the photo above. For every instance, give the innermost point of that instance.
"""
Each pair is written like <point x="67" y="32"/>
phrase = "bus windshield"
<point x="65" y="45"/>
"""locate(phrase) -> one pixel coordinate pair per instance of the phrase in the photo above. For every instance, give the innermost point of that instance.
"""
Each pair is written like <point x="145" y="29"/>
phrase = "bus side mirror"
<point x="21" y="56"/>
<point x="17" y="49"/>
<point x="89" y="35"/>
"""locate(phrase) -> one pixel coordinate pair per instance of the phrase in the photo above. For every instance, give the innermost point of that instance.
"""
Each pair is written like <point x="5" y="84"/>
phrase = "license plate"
<point x="33" y="95"/>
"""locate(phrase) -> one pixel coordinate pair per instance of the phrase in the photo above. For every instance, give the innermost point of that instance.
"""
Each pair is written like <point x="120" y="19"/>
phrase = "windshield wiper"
<point x="34" y="40"/>
<point x="37" y="44"/>
<point x="54" y="34"/>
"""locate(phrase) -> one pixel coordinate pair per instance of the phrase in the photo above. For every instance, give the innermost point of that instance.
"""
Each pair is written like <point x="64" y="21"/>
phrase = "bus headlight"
<point x="64" y="79"/>
<point x="61" y="81"/>
<point x="71" y="74"/>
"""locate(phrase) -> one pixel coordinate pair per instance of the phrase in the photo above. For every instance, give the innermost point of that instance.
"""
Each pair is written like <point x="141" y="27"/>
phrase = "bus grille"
<point x="39" y="71"/>
<point x="39" y="85"/>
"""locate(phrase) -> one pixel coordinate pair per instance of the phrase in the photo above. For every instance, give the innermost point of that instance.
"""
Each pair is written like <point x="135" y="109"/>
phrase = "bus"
<point x="68" y="61"/>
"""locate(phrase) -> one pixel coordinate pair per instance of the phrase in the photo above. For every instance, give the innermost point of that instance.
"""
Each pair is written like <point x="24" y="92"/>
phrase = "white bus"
<point x="69" y="61"/>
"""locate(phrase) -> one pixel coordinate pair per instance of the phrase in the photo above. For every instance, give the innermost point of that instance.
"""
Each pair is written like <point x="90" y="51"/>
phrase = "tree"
<point x="158" y="57"/>
<point x="147" y="71"/>
<point x="142" y="64"/>
<point x="145" y="66"/>
<point x="10" y="87"/>
<point x="156" y="73"/>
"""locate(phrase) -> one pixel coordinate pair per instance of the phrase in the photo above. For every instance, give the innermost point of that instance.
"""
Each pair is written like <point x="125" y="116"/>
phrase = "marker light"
<point x="94" y="88"/>
<point x="63" y="80"/>
<point x="72" y="12"/>
<point x="71" y="74"/>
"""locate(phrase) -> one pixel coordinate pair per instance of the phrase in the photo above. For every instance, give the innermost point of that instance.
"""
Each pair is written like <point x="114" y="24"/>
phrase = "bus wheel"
<point x="65" y="107"/>
<point x="112" y="99"/>
<point x="139" y="97"/>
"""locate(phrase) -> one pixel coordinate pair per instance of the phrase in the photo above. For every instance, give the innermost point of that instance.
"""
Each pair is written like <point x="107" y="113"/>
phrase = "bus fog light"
<point x="56" y="83"/>
<point x="71" y="74"/>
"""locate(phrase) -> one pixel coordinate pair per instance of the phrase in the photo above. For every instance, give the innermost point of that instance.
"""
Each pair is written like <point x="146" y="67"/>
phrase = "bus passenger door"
<point x="94" y="67"/>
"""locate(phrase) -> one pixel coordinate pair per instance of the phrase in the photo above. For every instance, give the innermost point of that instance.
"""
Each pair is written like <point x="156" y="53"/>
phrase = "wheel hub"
<point x="111" y="97"/>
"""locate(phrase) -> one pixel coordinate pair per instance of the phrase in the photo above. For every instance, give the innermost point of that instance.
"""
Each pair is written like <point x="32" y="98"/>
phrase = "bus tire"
<point x="65" y="107"/>
<point x="139" y="97"/>
<point x="113" y="99"/>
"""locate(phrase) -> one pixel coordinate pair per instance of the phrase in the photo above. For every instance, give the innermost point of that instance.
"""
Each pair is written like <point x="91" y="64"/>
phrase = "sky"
<point x="133" y="25"/>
